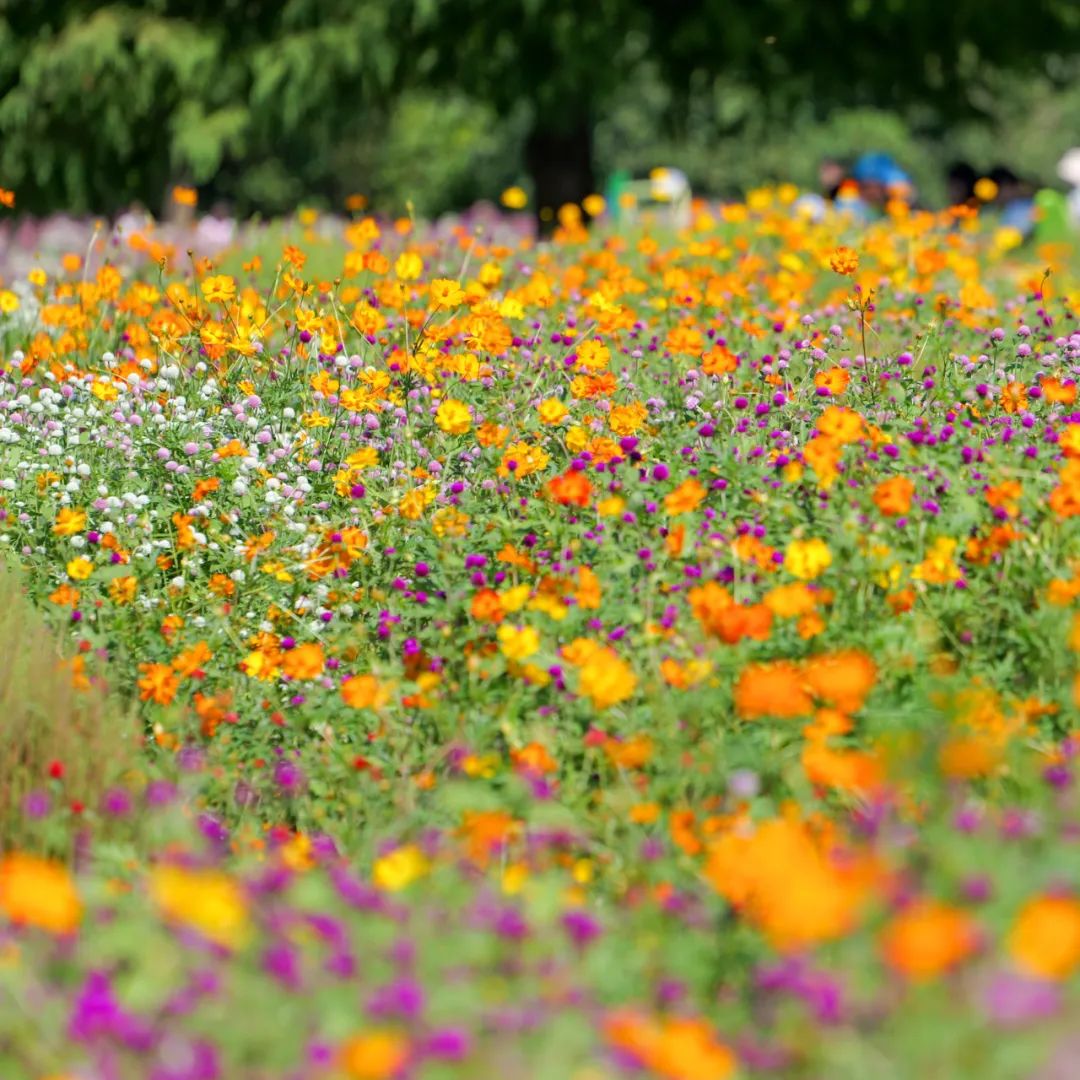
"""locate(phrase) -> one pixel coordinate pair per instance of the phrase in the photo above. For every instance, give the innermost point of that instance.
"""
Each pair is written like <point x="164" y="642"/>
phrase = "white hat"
<point x="1069" y="167"/>
<point x="668" y="184"/>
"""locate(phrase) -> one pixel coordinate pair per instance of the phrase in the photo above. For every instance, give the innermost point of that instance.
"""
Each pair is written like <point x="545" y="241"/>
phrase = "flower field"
<point x="434" y="654"/>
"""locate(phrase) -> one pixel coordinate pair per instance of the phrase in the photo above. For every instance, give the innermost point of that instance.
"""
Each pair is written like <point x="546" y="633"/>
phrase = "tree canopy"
<point x="102" y="104"/>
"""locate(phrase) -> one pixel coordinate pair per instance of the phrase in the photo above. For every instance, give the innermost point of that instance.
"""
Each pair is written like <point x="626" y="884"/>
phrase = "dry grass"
<point x="45" y="717"/>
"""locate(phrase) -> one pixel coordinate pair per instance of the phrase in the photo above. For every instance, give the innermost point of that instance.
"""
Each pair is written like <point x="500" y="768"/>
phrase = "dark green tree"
<point x="564" y="62"/>
<point x="265" y="102"/>
<point x="105" y="104"/>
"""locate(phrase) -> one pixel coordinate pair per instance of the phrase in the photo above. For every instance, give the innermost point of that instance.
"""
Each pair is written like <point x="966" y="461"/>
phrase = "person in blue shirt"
<point x="1015" y="200"/>
<point x="880" y="179"/>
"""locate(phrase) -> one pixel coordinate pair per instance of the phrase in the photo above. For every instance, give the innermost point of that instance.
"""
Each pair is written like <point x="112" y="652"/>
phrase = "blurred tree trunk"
<point x="559" y="160"/>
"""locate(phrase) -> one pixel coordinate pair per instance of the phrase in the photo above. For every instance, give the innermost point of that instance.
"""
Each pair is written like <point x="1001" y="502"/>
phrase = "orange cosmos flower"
<point x="487" y="607"/>
<point x="719" y="361"/>
<point x="841" y="425"/>
<point x="790" y="601"/>
<point x="927" y="939"/>
<point x="158" y="683"/>
<point x="69" y="521"/>
<point x="364" y="692"/>
<point x="191" y="660"/>
<point x="632" y="753"/>
<point x="1013" y="397"/>
<point x="534" y="758"/>
<point x="571" y="488"/>
<point x="375" y="1055"/>
<point x="834" y="379"/>
<point x="844" y="261"/>
<point x="789" y="882"/>
<point x="845" y="770"/>
<point x="673" y="1048"/>
<point x="685" y="498"/>
<point x="843" y="679"/>
<point x="775" y="689"/>
<point x="1057" y="392"/>
<point x="304" y="662"/>
<point x="1045" y="938"/>
<point x="40" y="893"/>
<point x="893" y="496"/>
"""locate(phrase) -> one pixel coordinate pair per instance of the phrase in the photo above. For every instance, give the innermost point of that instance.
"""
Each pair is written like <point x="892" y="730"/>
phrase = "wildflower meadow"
<point x="427" y="652"/>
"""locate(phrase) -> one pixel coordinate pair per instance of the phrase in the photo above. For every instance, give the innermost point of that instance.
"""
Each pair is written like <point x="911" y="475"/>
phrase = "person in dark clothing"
<point x="831" y="174"/>
<point x="960" y="183"/>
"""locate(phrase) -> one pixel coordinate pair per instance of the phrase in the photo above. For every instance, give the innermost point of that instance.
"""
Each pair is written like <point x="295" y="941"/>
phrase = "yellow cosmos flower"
<point x="518" y="643"/>
<point x="514" y="198"/>
<point x="80" y="569"/>
<point x="400" y="868"/>
<point x="408" y="266"/>
<point x="220" y="289"/>
<point x="552" y="411"/>
<point x="807" y="559"/>
<point x="606" y="679"/>
<point x="938" y="568"/>
<point x="453" y="417"/>
<point x="594" y="205"/>
<point x="446" y="293"/>
<point x="205" y="900"/>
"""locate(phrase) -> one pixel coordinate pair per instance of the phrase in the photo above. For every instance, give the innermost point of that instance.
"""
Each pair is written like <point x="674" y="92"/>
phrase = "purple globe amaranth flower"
<point x="282" y="962"/>
<point x="97" y="1013"/>
<point x="403" y="999"/>
<point x="448" y="1044"/>
<point x="116" y="802"/>
<point x="582" y="928"/>
<point x="160" y="793"/>
<point x="213" y="830"/>
<point x="288" y="776"/>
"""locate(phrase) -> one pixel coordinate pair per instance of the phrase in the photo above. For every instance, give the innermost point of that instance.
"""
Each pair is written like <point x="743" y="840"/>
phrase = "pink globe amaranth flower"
<point x="1011" y="999"/>
<point x="37" y="805"/>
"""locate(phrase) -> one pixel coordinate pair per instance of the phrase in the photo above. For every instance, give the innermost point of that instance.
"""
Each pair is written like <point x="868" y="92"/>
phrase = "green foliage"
<point x="105" y="104"/>
<point x="46" y="718"/>
<point x="109" y="104"/>
<point x="1028" y="121"/>
<point x="441" y="152"/>
<point x="105" y="108"/>
<point x="727" y="138"/>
